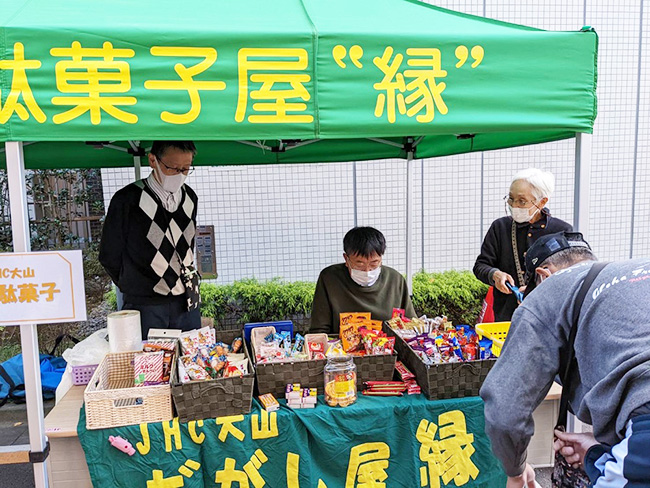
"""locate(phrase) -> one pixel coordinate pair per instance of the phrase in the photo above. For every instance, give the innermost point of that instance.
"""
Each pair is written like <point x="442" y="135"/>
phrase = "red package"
<point x="316" y="350"/>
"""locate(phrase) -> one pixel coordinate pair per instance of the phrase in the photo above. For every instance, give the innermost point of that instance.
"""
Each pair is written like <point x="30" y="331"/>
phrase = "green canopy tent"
<point x="90" y="84"/>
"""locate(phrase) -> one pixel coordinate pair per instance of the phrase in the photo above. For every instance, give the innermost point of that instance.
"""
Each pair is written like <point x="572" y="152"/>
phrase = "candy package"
<point x="168" y="347"/>
<point x="182" y="373"/>
<point x="269" y="402"/>
<point x="148" y="368"/>
<point x="350" y="338"/>
<point x="316" y="345"/>
<point x="192" y="340"/>
<point x="485" y="348"/>
<point x="298" y="345"/>
<point x="335" y="348"/>
<point x="236" y="345"/>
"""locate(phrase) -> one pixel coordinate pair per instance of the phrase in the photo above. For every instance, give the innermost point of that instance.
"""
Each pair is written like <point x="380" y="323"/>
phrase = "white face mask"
<point x="365" y="278"/>
<point x="171" y="183"/>
<point x="521" y="215"/>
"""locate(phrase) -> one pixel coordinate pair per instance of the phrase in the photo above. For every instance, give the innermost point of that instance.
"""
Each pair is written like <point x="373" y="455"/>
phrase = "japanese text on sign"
<point x="41" y="287"/>
<point x="274" y="85"/>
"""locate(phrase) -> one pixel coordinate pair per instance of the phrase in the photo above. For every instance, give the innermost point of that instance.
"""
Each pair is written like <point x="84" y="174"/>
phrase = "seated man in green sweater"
<point x="361" y="284"/>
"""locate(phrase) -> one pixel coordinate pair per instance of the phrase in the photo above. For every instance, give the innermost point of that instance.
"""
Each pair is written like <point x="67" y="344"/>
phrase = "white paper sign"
<point x="41" y="287"/>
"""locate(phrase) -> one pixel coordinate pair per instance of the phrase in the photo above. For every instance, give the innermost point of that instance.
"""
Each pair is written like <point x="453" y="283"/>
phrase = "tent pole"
<point x="409" y="220"/>
<point x="135" y="150"/>
<point x="354" y="193"/>
<point x="581" y="196"/>
<point x="28" y="336"/>
<point x="137" y="165"/>
<point x="581" y="203"/>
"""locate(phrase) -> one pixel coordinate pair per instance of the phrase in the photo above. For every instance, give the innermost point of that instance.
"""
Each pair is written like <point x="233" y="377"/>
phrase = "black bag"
<point x="564" y="475"/>
<point x="192" y="280"/>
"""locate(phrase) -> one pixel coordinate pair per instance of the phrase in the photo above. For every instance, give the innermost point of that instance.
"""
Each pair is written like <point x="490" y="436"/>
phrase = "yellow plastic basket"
<point x="497" y="331"/>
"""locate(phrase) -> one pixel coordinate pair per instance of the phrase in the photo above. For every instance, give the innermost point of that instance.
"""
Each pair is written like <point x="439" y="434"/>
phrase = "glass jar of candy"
<point x="340" y="381"/>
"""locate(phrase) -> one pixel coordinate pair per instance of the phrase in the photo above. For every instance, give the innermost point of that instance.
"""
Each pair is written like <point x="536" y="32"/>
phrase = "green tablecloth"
<point x="378" y="442"/>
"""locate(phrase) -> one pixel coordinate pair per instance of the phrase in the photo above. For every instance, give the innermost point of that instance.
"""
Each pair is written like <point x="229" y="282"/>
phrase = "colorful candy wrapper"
<point x="182" y="373"/>
<point x="241" y="365"/>
<point x="292" y="391"/>
<point x="218" y="364"/>
<point x="335" y="349"/>
<point x="207" y="336"/>
<point x="298" y="345"/>
<point x="230" y="371"/>
<point x="220" y="349"/>
<point x="403" y="371"/>
<point x="398" y="312"/>
<point x="286" y="342"/>
<point x="236" y="344"/>
<point x="350" y="337"/>
<point x="189" y="342"/>
<point x="485" y="347"/>
<point x="316" y="350"/>
<point x="469" y="352"/>
<point x="269" y="402"/>
<point x="148" y="368"/>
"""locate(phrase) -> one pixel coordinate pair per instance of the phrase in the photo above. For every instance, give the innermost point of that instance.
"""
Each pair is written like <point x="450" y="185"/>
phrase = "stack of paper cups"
<point x="124" y="332"/>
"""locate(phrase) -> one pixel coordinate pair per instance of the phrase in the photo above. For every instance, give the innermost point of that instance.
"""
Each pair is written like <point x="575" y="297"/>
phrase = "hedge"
<point x="456" y="294"/>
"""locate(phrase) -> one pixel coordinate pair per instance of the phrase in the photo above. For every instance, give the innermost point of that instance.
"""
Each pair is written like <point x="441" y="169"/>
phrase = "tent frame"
<point x="21" y="243"/>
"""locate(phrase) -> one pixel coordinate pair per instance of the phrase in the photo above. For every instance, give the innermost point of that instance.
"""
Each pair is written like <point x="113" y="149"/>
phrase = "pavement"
<point x="543" y="477"/>
<point x="13" y="431"/>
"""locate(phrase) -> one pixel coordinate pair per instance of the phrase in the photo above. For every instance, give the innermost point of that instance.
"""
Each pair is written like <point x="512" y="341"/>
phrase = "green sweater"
<point x="336" y="293"/>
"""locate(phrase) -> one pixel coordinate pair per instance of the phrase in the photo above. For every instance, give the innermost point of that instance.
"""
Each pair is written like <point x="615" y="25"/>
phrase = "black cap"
<point x="544" y="247"/>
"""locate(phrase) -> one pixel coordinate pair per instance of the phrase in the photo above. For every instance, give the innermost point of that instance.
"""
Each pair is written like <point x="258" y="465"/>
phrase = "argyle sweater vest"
<point x="143" y="244"/>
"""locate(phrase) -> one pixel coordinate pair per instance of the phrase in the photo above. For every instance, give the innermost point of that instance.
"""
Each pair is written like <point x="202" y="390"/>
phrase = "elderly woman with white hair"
<point x="502" y="259"/>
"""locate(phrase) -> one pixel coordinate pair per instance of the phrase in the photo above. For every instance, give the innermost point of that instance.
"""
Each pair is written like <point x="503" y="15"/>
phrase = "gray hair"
<point x="568" y="257"/>
<point x="542" y="182"/>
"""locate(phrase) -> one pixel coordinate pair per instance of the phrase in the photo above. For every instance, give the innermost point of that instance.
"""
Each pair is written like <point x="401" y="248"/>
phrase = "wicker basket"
<point x="112" y="400"/>
<point x="447" y="380"/>
<point x="220" y="397"/>
<point x="273" y="377"/>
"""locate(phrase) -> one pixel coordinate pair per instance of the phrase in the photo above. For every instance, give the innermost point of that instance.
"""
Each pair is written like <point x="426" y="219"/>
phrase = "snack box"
<point x="198" y="400"/>
<point x="273" y="377"/>
<point x="446" y="380"/>
<point x="280" y="326"/>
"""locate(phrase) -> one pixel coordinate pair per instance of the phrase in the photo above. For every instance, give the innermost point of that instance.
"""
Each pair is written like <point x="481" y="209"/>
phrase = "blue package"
<point x="485" y="346"/>
<point x="280" y="326"/>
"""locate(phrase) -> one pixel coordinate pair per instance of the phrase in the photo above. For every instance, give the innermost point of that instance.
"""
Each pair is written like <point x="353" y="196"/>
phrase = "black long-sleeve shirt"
<point x="497" y="254"/>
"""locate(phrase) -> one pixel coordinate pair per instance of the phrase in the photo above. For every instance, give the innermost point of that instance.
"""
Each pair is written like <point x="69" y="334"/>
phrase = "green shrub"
<point x="250" y="300"/>
<point x="110" y="297"/>
<point x="215" y="300"/>
<point x="8" y="351"/>
<point x="456" y="294"/>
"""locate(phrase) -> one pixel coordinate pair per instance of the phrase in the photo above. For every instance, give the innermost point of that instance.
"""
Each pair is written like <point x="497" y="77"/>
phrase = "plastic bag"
<point x="89" y="351"/>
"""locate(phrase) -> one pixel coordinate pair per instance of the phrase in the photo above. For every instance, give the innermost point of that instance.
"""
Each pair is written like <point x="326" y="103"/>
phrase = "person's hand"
<point x="500" y="278"/>
<point x="573" y="446"/>
<point x="524" y="480"/>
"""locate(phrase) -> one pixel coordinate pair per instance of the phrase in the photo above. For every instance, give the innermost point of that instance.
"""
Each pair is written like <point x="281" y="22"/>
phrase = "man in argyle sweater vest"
<point x="149" y="230"/>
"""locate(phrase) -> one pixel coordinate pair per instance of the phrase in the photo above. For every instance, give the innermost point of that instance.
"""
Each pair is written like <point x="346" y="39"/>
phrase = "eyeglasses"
<point x="177" y="171"/>
<point x="519" y="202"/>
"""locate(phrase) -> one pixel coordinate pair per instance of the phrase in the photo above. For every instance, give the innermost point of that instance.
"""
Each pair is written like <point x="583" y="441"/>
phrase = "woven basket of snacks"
<point x="215" y="376"/>
<point x="448" y="362"/>
<point x="279" y="361"/>
<point x="113" y="400"/>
